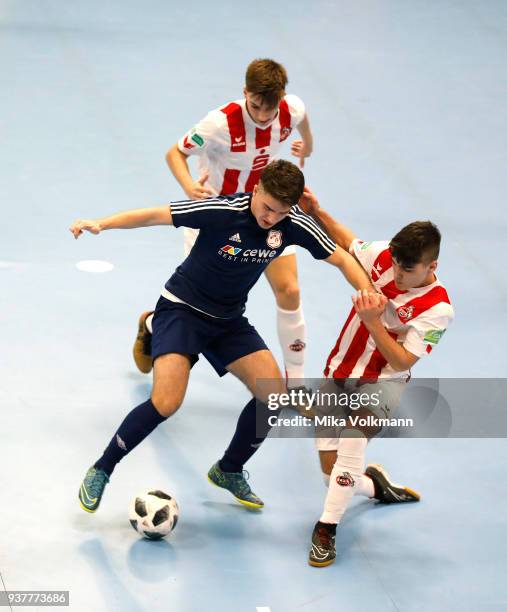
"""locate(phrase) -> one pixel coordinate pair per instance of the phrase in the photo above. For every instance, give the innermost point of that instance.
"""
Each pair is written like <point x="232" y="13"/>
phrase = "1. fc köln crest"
<point x="274" y="239"/>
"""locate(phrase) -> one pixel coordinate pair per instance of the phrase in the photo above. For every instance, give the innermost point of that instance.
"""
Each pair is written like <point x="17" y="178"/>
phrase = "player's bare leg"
<point x="170" y="379"/>
<point x="171" y="373"/>
<point x="252" y="427"/>
<point x="282" y="275"/>
<point x="260" y="365"/>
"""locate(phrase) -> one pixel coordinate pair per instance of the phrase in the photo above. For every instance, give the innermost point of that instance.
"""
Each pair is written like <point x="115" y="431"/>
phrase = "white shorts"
<point x="190" y="236"/>
<point x="389" y="392"/>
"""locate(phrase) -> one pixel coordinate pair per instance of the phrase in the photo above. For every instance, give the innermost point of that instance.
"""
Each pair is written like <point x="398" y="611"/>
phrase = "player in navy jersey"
<point x="201" y="310"/>
<point x="233" y="144"/>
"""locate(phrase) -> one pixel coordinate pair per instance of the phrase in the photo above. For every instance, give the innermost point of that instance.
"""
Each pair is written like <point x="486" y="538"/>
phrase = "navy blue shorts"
<point x="178" y="328"/>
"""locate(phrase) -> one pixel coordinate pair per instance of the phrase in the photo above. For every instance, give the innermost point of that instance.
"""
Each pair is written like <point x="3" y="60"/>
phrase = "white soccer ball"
<point x="153" y="514"/>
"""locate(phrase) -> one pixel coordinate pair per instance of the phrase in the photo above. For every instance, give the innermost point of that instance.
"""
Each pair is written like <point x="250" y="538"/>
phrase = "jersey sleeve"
<point x="202" y="137"/>
<point x="367" y="252"/>
<point x="211" y="212"/>
<point x="306" y="233"/>
<point x="296" y="108"/>
<point x="425" y="331"/>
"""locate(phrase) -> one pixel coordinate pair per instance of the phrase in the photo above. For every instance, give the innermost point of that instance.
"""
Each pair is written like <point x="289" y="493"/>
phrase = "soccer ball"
<point x="153" y="514"/>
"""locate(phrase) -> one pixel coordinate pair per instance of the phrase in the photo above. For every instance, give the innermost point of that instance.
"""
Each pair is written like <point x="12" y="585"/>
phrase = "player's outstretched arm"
<point x="351" y="269"/>
<point x="141" y="217"/>
<point x="303" y="148"/>
<point x="178" y="164"/>
<point x="342" y="235"/>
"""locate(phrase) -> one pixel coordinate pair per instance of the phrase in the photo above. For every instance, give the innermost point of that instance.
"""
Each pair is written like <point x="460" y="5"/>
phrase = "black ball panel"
<point x="160" y="494"/>
<point x="160" y="516"/>
<point x="141" y="507"/>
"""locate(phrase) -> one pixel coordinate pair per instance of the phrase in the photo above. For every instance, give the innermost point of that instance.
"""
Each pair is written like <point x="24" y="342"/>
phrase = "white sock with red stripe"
<point x="347" y="471"/>
<point x="291" y="328"/>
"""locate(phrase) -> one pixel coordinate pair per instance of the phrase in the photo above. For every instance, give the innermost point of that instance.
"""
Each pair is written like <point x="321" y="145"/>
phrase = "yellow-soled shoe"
<point x="386" y="491"/>
<point x="92" y="488"/>
<point x="235" y="483"/>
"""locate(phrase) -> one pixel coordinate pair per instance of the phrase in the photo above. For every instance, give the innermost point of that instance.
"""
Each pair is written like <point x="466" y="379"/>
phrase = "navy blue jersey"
<point x="232" y="251"/>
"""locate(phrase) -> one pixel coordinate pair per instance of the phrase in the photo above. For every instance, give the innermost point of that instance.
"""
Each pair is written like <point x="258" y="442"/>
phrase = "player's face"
<point x="258" y="110"/>
<point x="418" y="275"/>
<point x="266" y="209"/>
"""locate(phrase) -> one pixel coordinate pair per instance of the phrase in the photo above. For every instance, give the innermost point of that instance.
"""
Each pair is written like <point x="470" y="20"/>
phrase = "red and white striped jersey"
<point x="416" y="318"/>
<point x="233" y="150"/>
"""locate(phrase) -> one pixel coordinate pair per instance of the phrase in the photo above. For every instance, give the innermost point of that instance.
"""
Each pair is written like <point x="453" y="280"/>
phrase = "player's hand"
<point x="198" y="191"/>
<point x="369" y="306"/>
<point x="81" y="225"/>
<point x="299" y="149"/>
<point x="309" y="202"/>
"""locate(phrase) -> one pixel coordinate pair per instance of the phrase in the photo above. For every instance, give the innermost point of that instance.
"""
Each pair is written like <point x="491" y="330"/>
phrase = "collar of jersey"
<point x="249" y="119"/>
<point x="425" y="288"/>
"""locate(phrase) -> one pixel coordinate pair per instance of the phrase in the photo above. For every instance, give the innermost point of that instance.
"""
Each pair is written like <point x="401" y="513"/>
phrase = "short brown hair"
<point x="267" y="79"/>
<point x="417" y="242"/>
<point x="284" y="181"/>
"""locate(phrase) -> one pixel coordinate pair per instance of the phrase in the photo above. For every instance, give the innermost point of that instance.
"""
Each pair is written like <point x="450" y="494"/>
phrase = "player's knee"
<point x="288" y="295"/>
<point x="164" y="403"/>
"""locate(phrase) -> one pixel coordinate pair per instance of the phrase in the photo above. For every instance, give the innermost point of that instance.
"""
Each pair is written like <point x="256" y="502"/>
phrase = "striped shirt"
<point x="232" y="251"/>
<point x="416" y="318"/>
<point x="233" y="150"/>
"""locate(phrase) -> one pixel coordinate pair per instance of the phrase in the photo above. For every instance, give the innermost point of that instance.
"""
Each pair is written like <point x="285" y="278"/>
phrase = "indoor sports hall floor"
<point x="407" y="105"/>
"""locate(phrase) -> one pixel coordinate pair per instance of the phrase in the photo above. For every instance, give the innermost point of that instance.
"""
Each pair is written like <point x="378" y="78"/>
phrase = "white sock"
<point x="291" y="328"/>
<point x="148" y="323"/>
<point x="364" y="486"/>
<point x="347" y="471"/>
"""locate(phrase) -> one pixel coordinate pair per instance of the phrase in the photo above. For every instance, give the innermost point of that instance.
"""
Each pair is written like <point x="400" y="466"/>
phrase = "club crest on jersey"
<point x="345" y="480"/>
<point x="285" y="133"/>
<point x="274" y="239"/>
<point x="406" y="312"/>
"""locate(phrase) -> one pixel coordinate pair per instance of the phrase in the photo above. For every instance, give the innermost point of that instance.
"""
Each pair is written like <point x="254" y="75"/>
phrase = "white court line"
<point x="97" y="266"/>
<point x="11" y="265"/>
<point x="263" y="609"/>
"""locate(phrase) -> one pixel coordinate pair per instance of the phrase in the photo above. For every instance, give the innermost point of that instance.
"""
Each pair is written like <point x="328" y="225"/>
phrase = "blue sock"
<point x="136" y="426"/>
<point x="251" y="431"/>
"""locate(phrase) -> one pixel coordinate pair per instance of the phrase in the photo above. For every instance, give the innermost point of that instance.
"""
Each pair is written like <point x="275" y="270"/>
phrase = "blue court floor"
<point x="407" y="105"/>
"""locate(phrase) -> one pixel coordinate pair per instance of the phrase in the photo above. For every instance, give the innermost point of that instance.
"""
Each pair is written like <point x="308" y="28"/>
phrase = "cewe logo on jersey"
<point x="230" y="250"/>
<point x="274" y="239"/>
